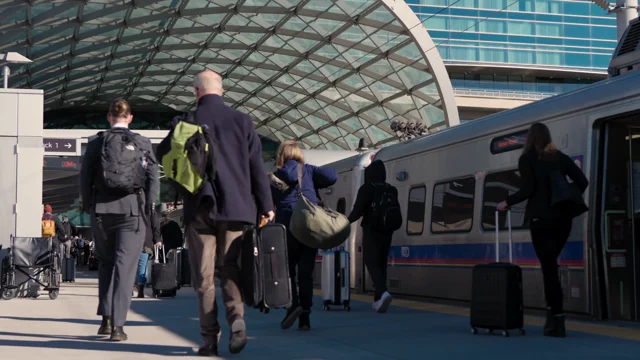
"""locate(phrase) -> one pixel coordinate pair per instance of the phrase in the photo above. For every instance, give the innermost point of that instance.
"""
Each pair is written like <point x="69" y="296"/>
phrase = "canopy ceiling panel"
<point x="325" y="73"/>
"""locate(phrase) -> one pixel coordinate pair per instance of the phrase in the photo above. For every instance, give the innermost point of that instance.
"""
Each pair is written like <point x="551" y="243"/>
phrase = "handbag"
<point x="566" y="198"/>
<point x="316" y="226"/>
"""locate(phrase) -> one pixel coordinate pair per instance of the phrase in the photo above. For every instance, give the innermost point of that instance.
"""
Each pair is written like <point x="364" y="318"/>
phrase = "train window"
<point x="416" y="210"/>
<point x="342" y="206"/>
<point x="497" y="186"/>
<point x="509" y="142"/>
<point x="452" y="209"/>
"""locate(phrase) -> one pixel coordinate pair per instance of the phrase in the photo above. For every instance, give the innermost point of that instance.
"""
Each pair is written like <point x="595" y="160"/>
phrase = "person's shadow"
<point x="92" y="342"/>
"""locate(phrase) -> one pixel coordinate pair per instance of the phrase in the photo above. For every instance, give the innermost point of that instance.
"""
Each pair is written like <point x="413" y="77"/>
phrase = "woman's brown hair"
<point x="288" y="150"/>
<point x="539" y="141"/>
<point x="119" y="108"/>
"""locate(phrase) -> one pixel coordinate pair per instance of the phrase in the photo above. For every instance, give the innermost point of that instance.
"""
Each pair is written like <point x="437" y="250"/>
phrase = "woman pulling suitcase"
<point x="543" y="169"/>
<point x="284" y="184"/>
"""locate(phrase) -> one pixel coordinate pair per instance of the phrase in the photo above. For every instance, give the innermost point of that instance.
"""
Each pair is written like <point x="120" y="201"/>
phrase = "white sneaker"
<point x="376" y="305"/>
<point x="383" y="303"/>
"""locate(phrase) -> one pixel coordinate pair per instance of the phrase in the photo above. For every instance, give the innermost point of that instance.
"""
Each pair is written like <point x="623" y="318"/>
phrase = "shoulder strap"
<point x="299" y="179"/>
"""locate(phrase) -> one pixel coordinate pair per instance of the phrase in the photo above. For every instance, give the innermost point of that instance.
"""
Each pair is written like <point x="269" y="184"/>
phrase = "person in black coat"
<point x="376" y="244"/>
<point x="550" y="227"/>
<point x="152" y="238"/>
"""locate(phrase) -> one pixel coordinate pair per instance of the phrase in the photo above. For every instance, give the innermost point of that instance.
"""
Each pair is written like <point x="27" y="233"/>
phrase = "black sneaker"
<point x="290" y="318"/>
<point x="238" y="338"/>
<point x="105" y="326"/>
<point x="556" y="328"/>
<point x="208" y="349"/>
<point x="304" y="322"/>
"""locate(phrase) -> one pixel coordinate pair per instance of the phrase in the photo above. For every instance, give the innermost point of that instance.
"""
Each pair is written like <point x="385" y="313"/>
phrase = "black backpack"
<point x="385" y="209"/>
<point x="122" y="162"/>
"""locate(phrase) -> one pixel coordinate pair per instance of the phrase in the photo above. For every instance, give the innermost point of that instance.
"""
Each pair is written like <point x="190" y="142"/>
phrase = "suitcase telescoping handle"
<point x="164" y="256"/>
<point x="498" y="236"/>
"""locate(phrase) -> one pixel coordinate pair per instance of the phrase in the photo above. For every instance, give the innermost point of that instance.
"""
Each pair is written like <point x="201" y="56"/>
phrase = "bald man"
<point x="239" y="180"/>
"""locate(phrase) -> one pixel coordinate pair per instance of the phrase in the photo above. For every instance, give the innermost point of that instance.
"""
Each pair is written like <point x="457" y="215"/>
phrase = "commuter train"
<point x="449" y="184"/>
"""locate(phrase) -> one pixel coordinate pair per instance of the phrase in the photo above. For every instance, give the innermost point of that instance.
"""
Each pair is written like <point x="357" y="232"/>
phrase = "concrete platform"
<point x="65" y="329"/>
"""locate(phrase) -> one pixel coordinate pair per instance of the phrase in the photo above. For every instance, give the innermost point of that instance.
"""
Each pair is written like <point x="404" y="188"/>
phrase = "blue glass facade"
<point x="543" y="33"/>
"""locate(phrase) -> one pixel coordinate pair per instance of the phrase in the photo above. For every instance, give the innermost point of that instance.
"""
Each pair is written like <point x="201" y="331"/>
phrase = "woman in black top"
<point x="550" y="228"/>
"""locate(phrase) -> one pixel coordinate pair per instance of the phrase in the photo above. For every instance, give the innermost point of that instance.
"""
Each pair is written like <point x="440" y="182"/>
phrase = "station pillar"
<point x="21" y="156"/>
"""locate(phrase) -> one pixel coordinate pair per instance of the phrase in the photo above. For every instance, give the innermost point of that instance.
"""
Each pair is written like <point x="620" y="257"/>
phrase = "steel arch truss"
<point x="324" y="72"/>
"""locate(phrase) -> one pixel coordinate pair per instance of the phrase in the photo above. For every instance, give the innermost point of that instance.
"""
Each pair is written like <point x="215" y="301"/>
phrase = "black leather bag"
<point x="566" y="197"/>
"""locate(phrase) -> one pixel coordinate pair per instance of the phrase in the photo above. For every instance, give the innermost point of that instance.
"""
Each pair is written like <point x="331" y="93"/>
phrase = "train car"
<point x="341" y="197"/>
<point x="450" y="182"/>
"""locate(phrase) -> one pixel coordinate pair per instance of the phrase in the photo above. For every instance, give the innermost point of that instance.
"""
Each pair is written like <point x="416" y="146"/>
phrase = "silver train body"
<point x="449" y="183"/>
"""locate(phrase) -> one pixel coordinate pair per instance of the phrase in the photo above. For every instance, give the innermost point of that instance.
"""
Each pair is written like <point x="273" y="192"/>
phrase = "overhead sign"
<point x="59" y="145"/>
<point x="61" y="163"/>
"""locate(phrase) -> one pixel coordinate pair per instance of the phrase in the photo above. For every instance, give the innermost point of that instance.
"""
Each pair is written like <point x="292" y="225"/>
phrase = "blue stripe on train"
<point x="522" y="252"/>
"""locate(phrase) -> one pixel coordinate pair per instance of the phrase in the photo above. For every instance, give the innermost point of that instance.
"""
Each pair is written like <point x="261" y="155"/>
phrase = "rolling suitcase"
<point x="163" y="276"/>
<point x="69" y="270"/>
<point x="180" y="258"/>
<point x="496" y="293"/>
<point x="265" y="268"/>
<point x="335" y="279"/>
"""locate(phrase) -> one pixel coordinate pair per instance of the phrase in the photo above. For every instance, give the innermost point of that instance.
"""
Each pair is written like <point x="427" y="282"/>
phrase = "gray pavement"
<point x="65" y="329"/>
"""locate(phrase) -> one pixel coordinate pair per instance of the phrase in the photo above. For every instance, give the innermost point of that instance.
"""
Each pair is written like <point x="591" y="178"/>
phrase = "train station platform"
<point x="65" y="329"/>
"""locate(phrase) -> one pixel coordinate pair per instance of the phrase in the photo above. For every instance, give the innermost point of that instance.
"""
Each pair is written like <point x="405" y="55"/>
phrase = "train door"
<point x="619" y="217"/>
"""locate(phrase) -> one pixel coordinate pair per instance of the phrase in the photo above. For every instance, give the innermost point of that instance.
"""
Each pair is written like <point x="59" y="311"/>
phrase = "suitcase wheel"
<point x="53" y="294"/>
<point x="505" y="333"/>
<point x="325" y="307"/>
<point x="522" y="332"/>
<point x="474" y="331"/>
<point x="347" y="308"/>
<point x="155" y="293"/>
<point x="8" y="294"/>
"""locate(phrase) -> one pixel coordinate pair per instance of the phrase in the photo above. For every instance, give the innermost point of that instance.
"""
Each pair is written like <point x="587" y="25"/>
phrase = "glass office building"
<point x="550" y="46"/>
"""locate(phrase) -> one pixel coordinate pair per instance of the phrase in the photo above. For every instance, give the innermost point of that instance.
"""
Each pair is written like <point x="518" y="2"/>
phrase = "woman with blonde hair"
<point x="549" y="226"/>
<point x="284" y="189"/>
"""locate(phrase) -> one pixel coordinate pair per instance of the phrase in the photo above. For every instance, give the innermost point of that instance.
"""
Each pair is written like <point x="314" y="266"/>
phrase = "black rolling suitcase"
<point x="180" y="258"/>
<point x="265" y="268"/>
<point x="163" y="276"/>
<point x="69" y="270"/>
<point x="496" y="293"/>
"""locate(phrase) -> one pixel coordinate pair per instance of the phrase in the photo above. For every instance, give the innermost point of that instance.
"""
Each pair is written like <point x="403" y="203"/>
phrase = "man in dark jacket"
<point x="70" y="231"/>
<point x="239" y="175"/>
<point x="152" y="238"/>
<point x="172" y="235"/>
<point x="375" y="244"/>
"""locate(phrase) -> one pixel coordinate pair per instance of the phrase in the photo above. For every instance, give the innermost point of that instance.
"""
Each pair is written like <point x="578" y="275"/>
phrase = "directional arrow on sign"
<point x="68" y="146"/>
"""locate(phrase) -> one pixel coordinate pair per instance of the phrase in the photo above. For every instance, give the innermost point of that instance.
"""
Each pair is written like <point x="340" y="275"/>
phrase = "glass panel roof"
<point x="323" y="72"/>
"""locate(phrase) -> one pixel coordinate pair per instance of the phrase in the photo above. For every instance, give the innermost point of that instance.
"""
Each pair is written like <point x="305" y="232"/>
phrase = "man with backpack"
<point x="119" y="184"/>
<point x="377" y="204"/>
<point x="223" y="170"/>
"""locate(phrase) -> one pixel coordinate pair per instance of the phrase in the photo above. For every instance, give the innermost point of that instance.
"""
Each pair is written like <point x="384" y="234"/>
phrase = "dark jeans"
<point x="304" y="258"/>
<point x="376" y="257"/>
<point x="548" y="238"/>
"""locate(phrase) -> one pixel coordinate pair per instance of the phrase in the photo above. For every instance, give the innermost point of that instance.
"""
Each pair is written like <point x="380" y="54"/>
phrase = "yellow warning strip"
<point x="584" y="327"/>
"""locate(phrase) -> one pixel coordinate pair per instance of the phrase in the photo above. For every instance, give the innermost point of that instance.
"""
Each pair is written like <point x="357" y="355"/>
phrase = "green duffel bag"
<point x="316" y="226"/>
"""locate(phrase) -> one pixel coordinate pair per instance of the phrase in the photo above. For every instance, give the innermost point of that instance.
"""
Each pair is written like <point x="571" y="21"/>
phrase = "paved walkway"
<point x="65" y="329"/>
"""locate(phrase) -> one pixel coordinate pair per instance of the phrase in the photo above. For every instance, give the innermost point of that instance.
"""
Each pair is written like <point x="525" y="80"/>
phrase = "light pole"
<point x="11" y="58"/>
<point x="625" y="10"/>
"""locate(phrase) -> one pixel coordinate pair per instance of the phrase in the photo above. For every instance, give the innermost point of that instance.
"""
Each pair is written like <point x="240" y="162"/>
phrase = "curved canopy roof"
<point x="324" y="72"/>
